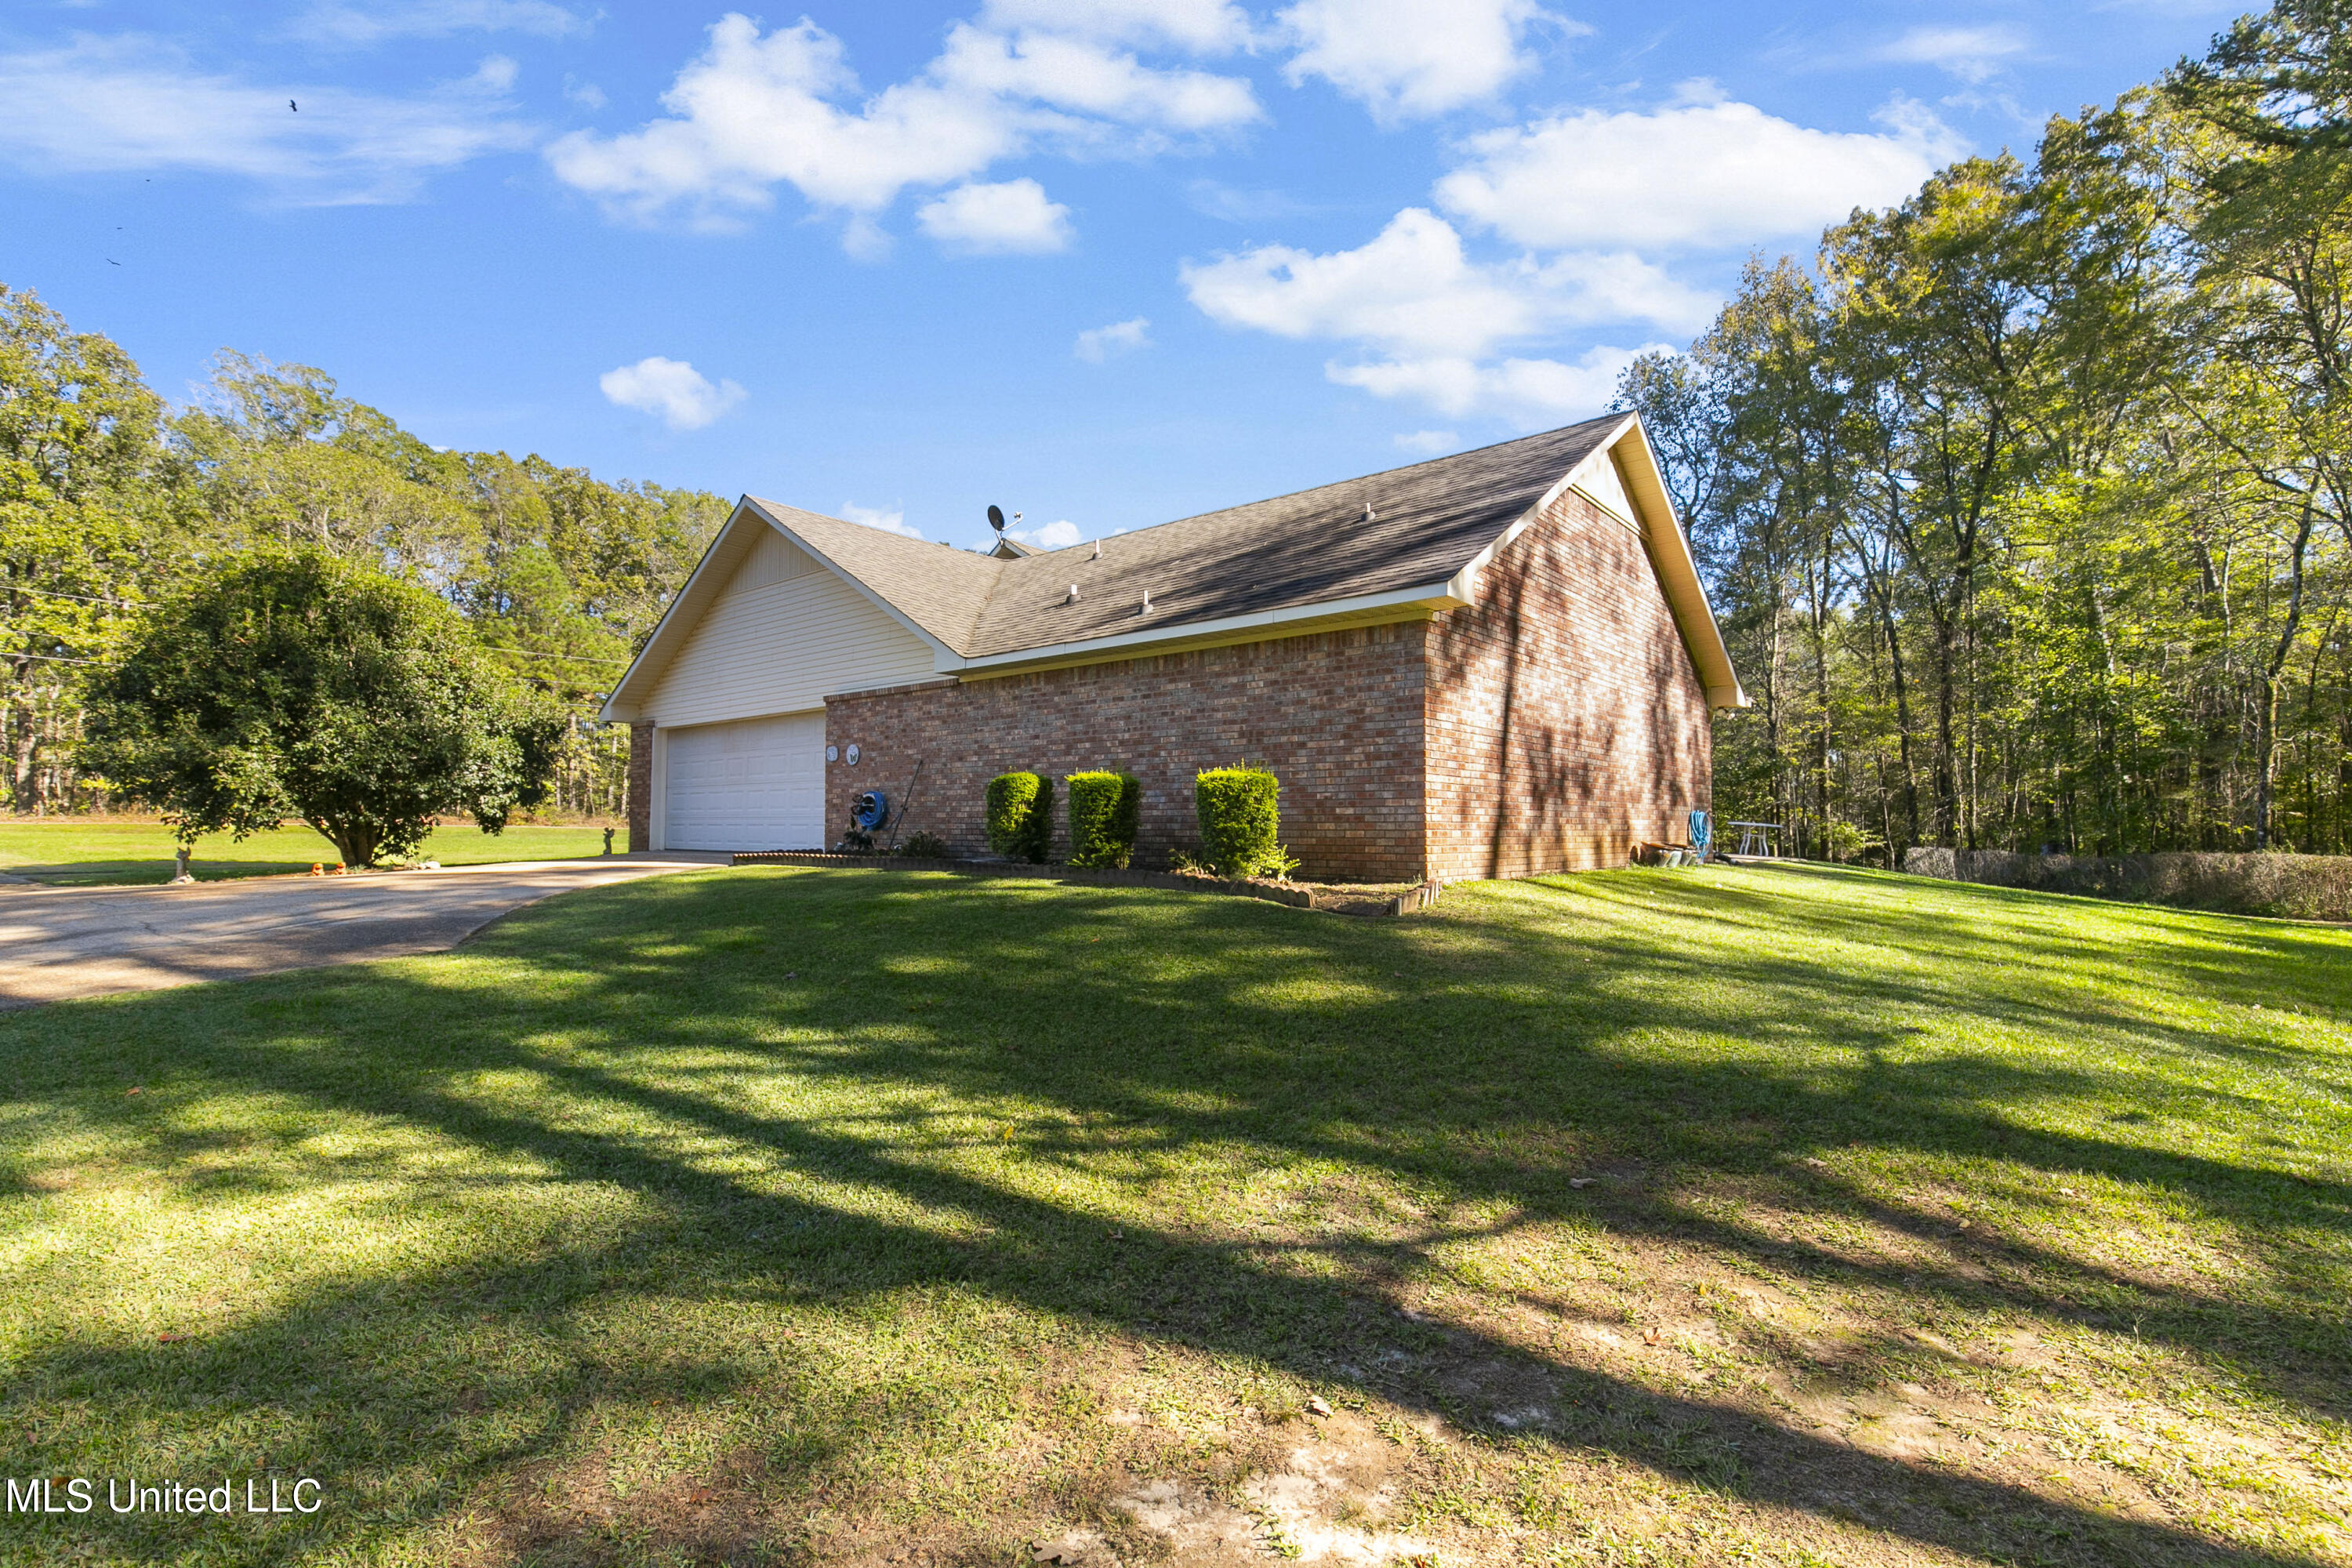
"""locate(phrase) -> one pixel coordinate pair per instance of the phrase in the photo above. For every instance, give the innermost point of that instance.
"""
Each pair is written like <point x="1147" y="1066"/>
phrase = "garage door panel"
<point x="755" y="783"/>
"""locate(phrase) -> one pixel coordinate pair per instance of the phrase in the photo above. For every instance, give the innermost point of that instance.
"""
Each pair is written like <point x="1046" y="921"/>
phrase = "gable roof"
<point x="1307" y="548"/>
<point x="940" y="589"/>
<point x="1312" y="555"/>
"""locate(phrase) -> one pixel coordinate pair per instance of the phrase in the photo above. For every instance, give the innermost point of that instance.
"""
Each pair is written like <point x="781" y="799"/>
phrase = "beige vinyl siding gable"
<point x="772" y="559"/>
<point x="782" y="636"/>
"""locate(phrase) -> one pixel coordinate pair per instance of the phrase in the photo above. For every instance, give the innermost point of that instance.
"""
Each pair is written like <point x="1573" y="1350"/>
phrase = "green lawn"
<point x="65" y="852"/>
<point x="1784" y="1216"/>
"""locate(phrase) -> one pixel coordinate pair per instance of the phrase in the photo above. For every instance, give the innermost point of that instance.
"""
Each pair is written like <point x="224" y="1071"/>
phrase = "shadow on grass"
<point x="144" y="871"/>
<point x="1491" y="1056"/>
<point x="2040" y="936"/>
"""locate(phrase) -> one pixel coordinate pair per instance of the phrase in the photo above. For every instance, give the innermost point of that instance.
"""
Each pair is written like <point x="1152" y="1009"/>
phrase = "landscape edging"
<point x="1423" y="896"/>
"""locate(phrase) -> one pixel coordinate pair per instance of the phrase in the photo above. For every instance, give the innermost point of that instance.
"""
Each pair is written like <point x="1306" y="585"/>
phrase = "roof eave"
<point x="618" y="707"/>
<point x="1428" y="598"/>
<point x="1678" y="569"/>
<point x="621" y="706"/>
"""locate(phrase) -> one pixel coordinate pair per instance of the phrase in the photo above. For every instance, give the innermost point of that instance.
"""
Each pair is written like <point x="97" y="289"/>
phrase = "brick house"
<point x="1490" y="664"/>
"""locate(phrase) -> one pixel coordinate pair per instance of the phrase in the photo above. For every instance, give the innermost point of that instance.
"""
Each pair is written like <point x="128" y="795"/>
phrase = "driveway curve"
<point x="62" y="943"/>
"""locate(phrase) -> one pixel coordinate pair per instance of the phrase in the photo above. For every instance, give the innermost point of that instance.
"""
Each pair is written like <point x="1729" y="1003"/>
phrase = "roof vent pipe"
<point x="1369" y="512"/>
<point x="1098" y="554"/>
<point x="1074" y="594"/>
<point x="1147" y="604"/>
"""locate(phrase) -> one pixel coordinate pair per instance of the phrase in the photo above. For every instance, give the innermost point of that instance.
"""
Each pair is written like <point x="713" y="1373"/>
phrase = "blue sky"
<point x="1104" y="262"/>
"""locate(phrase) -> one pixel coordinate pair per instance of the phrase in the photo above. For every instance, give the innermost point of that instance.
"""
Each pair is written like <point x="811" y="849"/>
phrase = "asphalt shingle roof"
<point x="938" y="587"/>
<point x="1307" y="548"/>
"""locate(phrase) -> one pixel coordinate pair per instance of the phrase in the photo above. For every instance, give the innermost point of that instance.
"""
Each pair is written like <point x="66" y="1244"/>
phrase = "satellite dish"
<point x="996" y="519"/>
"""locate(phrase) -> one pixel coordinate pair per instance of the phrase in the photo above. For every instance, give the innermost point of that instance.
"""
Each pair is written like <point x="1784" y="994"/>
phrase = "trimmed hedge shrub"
<point x="1239" y="821"/>
<point x="1104" y="807"/>
<point x="1020" y="816"/>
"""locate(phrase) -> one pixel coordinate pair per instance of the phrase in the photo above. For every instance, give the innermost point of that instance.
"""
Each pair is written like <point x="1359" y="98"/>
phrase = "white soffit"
<point x="1597" y="481"/>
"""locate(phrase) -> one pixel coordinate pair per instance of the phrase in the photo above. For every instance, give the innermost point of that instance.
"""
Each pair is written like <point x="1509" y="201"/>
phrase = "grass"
<point x="1767" y="1216"/>
<point x="68" y="852"/>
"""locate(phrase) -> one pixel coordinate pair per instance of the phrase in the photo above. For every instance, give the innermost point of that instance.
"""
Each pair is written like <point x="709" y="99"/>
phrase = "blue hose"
<point x="872" y="810"/>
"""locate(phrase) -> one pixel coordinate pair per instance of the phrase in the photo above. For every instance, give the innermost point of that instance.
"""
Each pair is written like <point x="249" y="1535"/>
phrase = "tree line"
<point x="2027" y="505"/>
<point x="113" y="503"/>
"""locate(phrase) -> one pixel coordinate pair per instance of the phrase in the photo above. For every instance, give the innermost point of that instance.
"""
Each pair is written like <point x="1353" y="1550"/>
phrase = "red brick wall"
<point x="1565" y="718"/>
<point x="641" y="788"/>
<point x="1336" y="715"/>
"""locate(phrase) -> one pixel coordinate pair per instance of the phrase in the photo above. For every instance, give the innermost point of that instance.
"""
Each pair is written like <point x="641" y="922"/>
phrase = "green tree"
<point x="277" y="455"/>
<point x="561" y="574"/>
<point x="81" y="516"/>
<point x="300" y="686"/>
<point x="2269" y="199"/>
<point x="2065" y="437"/>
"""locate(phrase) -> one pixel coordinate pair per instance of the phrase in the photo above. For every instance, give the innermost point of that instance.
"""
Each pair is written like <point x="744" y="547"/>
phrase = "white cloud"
<point x="1013" y="218"/>
<point x="1412" y="289"/>
<point x="330" y="21"/>
<point x="1050" y="536"/>
<point x="1408" y="58"/>
<point x="752" y="113"/>
<point x="1531" y="392"/>
<point x="1411" y="286"/>
<point x="1212" y="199"/>
<point x="1097" y="345"/>
<point x="136" y="103"/>
<point x="1619" y="286"/>
<point x="1972" y="54"/>
<point x="1428" y="442"/>
<point x="1435" y="324"/>
<point x="497" y="73"/>
<point x="1081" y="76"/>
<point x="874" y="517"/>
<point x="1693" y="175"/>
<point x="682" y="395"/>
<point x="1203" y="27"/>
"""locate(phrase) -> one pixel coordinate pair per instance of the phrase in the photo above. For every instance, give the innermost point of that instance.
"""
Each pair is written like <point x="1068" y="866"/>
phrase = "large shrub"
<point x="1239" y="821"/>
<point x="1020" y="816"/>
<point x="289" y="683"/>
<point x="1104" y="808"/>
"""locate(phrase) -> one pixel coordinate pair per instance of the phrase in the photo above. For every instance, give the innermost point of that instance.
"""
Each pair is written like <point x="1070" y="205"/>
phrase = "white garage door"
<point x="756" y="783"/>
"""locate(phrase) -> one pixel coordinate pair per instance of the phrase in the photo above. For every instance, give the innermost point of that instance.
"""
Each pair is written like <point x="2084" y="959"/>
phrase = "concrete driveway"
<point x="57" y="943"/>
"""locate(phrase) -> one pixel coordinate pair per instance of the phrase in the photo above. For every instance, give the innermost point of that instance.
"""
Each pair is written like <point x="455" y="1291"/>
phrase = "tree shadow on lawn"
<point x="1169" y="1024"/>
<point x="2041" y="974"/>
<point x="145" y="871"/>
<point x="2054" y="939"/>
<point x="2059" y="940"/>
